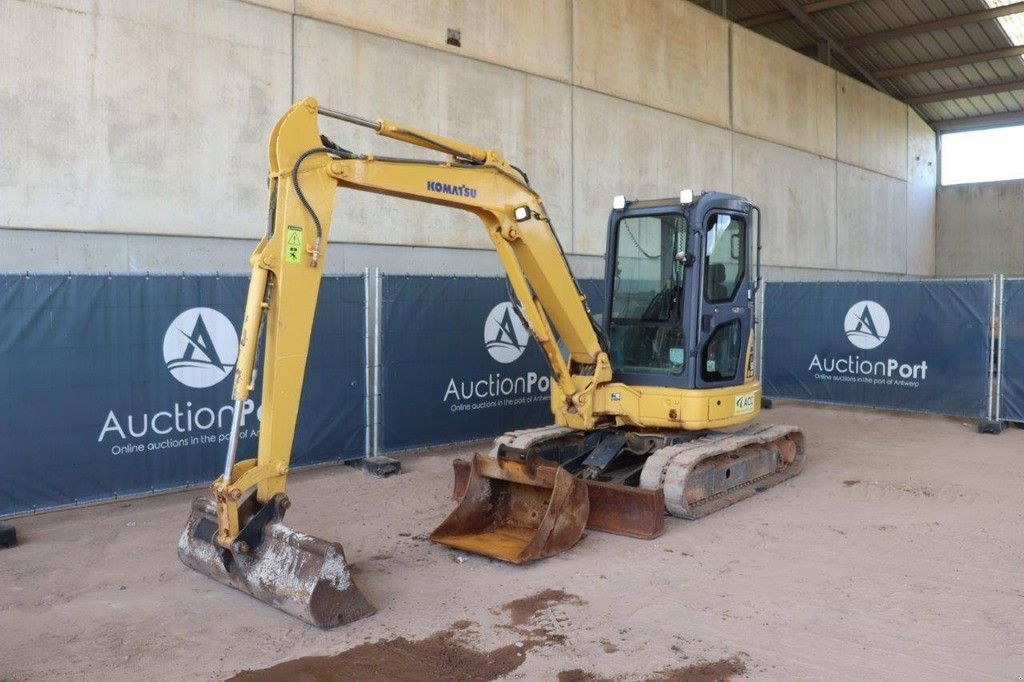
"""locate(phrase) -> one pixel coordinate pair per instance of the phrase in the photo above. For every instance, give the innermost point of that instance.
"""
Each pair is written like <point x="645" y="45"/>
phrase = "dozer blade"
<point x="516" y="511"/>
<point x="294" y="572"/>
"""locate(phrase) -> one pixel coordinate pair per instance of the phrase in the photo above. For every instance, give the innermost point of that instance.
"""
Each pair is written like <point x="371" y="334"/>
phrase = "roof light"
<point x="619" y="202"/>
<point x="1012" y="24"/>
<point x="686" y="197"/>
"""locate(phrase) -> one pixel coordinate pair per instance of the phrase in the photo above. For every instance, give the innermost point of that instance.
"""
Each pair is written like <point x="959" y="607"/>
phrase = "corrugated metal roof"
<point x="854" y="19"/>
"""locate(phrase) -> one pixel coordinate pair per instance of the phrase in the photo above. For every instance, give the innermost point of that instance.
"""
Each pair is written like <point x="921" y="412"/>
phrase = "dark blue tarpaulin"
<point x="919" y="345"/>
<point x="1011" y="401"/>
<point x="457" y="363"/>
<point x="120" y="385"/>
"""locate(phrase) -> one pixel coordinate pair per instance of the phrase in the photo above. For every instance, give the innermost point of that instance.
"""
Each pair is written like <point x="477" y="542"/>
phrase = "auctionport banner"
<point x="457" y="362"/>
<point x="1011" y="401"/>
<point x="918" y="345"/>
<point x="119" y="385"/>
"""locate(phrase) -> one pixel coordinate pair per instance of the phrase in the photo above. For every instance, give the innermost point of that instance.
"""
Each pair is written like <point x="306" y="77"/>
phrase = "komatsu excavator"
<point x="653" y="406"/>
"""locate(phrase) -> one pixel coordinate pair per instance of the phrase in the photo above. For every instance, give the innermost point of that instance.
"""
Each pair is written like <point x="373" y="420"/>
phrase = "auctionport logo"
<point x="504" y="334"/>
<point x="866" y="324"/>
<point x="200" y="347"/>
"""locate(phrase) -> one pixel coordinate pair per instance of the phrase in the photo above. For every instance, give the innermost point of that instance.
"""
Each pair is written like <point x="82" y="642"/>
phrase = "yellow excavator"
<point x="653" y="406"/>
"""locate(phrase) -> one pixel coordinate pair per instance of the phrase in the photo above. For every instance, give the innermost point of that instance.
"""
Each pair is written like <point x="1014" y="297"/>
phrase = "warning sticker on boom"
<point x="293" y="244"/>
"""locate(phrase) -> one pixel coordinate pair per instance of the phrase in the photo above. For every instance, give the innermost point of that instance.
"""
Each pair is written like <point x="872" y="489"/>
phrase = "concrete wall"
<point x="139" y="144"/>
<point x="980" y="229"/>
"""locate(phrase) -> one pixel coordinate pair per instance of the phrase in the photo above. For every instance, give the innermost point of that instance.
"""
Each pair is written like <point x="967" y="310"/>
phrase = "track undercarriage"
<point x="620" y="481"/>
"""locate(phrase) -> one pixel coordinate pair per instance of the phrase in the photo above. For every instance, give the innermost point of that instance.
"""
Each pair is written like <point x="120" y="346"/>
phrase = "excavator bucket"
<point x="516" y="511"/>
<point x="294" y="572"/>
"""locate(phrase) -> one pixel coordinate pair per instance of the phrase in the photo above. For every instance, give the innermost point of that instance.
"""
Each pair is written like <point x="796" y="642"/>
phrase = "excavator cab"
<point x="680" y="306"/>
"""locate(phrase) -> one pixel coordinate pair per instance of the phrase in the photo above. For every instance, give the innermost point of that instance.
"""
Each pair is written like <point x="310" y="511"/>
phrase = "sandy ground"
<point x="897" y="554"/>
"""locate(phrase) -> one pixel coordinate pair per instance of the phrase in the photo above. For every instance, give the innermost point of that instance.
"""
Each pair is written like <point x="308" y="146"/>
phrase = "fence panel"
<point x="1011" y="361"/>
<point x="913" y="345"/>
<point x="120" y="385"/>
<point x="457" y="363"/>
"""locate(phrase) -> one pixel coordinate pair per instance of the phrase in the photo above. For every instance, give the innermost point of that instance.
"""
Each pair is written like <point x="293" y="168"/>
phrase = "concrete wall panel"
<point x="872" y="221"/>
<point x="152" y="119"/>
<point x="798" y="205"/>
<point x="921" y="169"/>
<point x="782" y="96"/>
<point x="640" y="51"/>
<point x="141" y="117"/>
<point x="137" y="253"/>
<point x="871" y="128"/>
<point x="527" y="118"/>
<point x="624" y="148"/>
<point x="280" y="5"/>
<point x="530" y="35"/>
<point x="979" y="229"/>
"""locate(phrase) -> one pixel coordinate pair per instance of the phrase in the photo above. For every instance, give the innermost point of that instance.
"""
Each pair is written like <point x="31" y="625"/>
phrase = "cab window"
<point x="645" y="330"/>
<point x="724" y="257"/>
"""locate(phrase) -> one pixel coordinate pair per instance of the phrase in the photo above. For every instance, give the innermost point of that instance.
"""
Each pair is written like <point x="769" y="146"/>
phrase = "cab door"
<point x="726" y="307"/>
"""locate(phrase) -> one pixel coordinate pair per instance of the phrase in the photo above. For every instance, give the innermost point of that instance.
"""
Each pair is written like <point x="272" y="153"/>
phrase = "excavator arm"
<point x="238" y="538"/>
<point x="305" y="174"/>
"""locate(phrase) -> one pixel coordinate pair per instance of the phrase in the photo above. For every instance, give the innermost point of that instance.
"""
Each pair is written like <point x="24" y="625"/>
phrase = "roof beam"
<point x="946" y="22"/>
<point x="820" y="34"/>
<point x="978" y="122"/>
<point x="782" y="15"/>
<point x="1015" y="51"/>
<point x="976" y="91"/>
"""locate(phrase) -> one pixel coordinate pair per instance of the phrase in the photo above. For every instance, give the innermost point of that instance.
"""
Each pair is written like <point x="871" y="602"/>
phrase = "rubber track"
<point x="525" y="439"/>
<point x="670" y="467"/>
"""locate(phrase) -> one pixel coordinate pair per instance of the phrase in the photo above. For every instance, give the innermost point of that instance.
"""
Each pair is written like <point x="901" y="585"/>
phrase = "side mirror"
<point x="685" y="259"/>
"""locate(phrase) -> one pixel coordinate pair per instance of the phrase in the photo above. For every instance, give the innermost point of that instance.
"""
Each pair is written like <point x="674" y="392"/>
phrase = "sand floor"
<point x="897" y="554"/>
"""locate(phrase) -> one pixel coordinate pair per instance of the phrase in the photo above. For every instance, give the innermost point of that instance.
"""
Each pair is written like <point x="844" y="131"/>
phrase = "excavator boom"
<point x="238" y="537"/>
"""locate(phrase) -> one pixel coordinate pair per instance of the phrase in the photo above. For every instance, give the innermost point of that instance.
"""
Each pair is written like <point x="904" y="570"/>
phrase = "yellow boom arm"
<point x="286" y="271"/>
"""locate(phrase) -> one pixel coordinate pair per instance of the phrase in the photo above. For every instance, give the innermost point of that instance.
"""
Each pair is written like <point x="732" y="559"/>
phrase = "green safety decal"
<point x="293" y="244"/>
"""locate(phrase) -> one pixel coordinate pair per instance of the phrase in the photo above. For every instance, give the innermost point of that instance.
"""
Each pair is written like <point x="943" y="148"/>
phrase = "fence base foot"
<point x="991" y="426"/>
<point x="8" y="537"/>
<point x="767" y="403"/>
<point x="381" y="466"/>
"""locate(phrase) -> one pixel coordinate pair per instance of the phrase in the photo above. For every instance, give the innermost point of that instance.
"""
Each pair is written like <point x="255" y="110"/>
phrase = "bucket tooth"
<point x="516" y="511"/>
<point x="299" y="574"/>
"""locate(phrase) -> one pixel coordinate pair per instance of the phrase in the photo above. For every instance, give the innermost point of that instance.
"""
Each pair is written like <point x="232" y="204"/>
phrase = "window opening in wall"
<point x="993" y="154"/>
<point x="983" y="155"/>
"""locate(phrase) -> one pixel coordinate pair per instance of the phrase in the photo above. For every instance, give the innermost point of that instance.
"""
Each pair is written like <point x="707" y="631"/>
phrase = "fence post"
<point x="992" y="424"/>
<point x="376" y="360"/>
<point x="366" y="361"/>
<point x="759" y="323"/>
<point x="992" y="348"/>
<point x="999" y="353"/>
